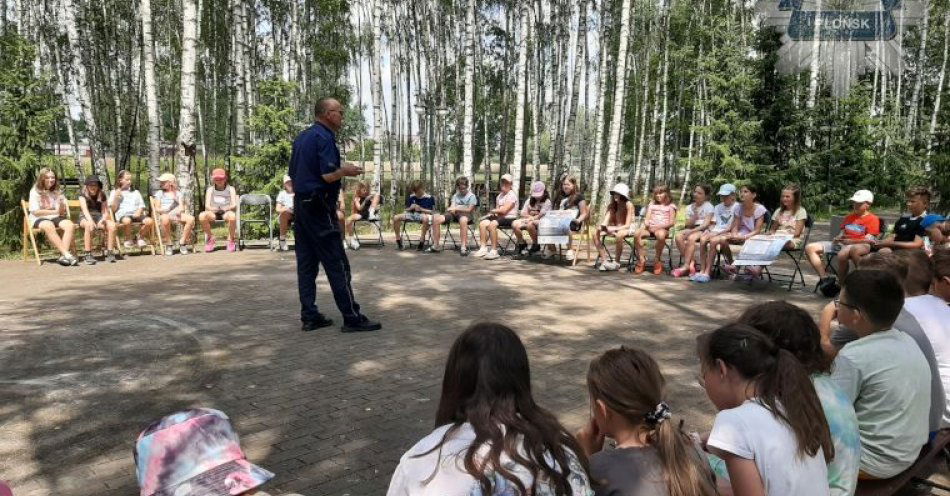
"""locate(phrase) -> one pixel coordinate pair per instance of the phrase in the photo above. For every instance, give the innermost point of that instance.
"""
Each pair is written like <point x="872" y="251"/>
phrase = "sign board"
<point x="762" y="249"/>
<point x="555" y="227"/>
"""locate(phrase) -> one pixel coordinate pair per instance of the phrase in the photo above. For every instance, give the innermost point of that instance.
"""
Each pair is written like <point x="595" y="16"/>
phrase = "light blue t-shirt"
<point x="469" y="200"/>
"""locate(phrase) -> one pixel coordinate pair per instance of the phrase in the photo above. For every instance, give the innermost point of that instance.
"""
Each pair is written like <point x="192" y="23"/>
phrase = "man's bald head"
<point x="329" y="112"/>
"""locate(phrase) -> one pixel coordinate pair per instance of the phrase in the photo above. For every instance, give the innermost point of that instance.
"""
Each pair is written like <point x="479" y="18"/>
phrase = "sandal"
<point x="640" y="268"/>
<point x="679" y="272"/>
<point x="657" y="268"/>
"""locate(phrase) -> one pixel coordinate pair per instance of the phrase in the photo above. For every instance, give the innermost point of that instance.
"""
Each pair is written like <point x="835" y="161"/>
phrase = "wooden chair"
<point x="917" y="473"/>
<point x="29" y="232"/>
<point x="152" y="238"/>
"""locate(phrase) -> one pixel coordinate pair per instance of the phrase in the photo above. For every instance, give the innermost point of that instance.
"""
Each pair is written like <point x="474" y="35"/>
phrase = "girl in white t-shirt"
<point x="770" y="430"/>
<point x="128" y="207"/>
<point x="699" y="216"/>
<point x="750" y="222"/>
<point x="725" y="216"/>
<point x="169" y="208"/>
<point x="285" y="211"/>
<point x="48" y="211"/>
<point x="491" y="438"/>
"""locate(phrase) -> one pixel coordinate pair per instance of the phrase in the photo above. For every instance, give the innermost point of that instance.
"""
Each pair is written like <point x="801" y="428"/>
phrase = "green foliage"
<point x="25" y="127"/>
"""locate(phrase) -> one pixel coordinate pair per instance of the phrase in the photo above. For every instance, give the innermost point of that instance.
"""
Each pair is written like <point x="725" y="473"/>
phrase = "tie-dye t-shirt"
<point x="843" y="424"/>
<point x="424" y="471"/>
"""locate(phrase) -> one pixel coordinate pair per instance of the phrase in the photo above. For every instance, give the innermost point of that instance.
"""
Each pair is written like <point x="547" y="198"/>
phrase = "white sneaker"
<point x="169" y="251"/>
<point x="128" y="243"/>
<point x="611" y="266"/>
<point x="183" y="249"/>
<point x="283" y="245"/>
<point x="569" y="255"/>
<point x="141" y="243"/>
<point x="354" y="244"/>
<point x="481" y="252"/>
<point x="492" y="255"/>
<point x="547" y="252"/>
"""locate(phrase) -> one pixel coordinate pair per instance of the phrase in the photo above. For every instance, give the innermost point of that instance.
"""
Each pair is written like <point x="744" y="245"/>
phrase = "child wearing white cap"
<point x="855" y="236"/>
<point x="725" y="216"/>
<point x="285" y="211"/>
<point x="616" y="223"/>
<point x="171" y="209"/>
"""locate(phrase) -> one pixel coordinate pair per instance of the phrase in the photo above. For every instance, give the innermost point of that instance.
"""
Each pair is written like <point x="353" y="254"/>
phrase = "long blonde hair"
<point x="41" y="178"/>
<point x="629" y="382"/>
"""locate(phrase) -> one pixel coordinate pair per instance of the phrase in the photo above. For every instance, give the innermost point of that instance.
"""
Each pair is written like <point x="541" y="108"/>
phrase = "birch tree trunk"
<point x="911" y="125"/>
<point x="237" y="59"/>
<point x="63" y="89"/>
<point x="151" y="95"/>
<point x="519" y="110"/>
<point x="614" y="148"/>
<point x="185" y="144"/>
<point x="80" y="80"/>
<point x="468" y="130"/>
<point x="815" y="60"/>
<point x="940" y="80"/>
<point x="376" y="88"/>
<point x="579" y="61"/>
<point x="600" y="114"/>
<point x="661" y="153"/>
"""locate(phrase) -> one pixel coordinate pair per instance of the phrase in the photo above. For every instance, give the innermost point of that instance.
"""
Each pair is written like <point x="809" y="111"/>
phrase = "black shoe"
<point x="432" y="250"/>
<point x="313" y="325"/>
<point x="90" y="260"/>
<point x="398" y="244"/>
<point x="421" y="246"/>
<point x="364" y="325"/>
<point x="828" y="286"/>
<point x="110" y="257"/>
<point x="534" y="249"/>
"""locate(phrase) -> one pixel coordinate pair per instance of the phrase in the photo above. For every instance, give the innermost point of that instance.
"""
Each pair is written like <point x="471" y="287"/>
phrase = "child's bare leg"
<point x="69" y="230"/>
<point x="284" y="217"/>
<point x="516" y="226"/>
<point x="110" y="235"/>
<point x="493" y="231"/>
<point x="188" y="223"/>
<point x="231" y="219"/>
<point x="660" y="244"/>
<point x="463" y="230"/>
<point x="205" y="218"/>
<point x="689" y="248"/>
<point x="483" y="232"/>
<point x="87" y="228"/>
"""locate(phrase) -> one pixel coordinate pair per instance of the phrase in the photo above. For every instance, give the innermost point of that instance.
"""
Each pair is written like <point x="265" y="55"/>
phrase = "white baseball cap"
<point x="507" y="178"/>
<point x="286" y="178"/>
<point x="727" y="189"/>
<point x="863" y="196"/>
<point x="622" y="190"/>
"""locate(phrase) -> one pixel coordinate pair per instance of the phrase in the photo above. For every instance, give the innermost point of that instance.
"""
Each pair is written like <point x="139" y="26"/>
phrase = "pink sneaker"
<point x="231" y="245"/>
<point x="678" y="272"/>
<point x="692" y="269"/>
<point x="209" y="244"/>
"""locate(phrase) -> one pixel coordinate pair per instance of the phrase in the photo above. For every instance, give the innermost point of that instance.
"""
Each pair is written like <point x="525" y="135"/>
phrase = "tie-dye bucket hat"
<point x="194" y="453"/>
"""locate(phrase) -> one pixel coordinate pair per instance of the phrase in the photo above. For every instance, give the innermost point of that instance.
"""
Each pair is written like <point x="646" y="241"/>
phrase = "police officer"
<point x="317" y="173"/>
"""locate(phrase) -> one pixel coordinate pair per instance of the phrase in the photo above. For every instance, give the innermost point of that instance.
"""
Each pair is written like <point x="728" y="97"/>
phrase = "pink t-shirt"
<point x="507" y="199"/>
<point x="746" y="223"/>
<point x="660" y="215"/>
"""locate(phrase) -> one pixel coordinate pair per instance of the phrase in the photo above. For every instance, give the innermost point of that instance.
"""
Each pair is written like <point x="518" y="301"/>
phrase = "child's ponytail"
<point x="782" y="383"/>
<point x="629" y="382"/>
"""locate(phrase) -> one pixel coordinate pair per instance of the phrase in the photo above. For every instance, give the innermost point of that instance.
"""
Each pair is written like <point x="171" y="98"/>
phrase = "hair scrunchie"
<point x="657" y="416"/>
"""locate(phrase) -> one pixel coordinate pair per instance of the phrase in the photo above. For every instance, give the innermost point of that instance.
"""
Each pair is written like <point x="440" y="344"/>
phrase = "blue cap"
<point x="727" y="189"/>
<point x="930" y="220"/>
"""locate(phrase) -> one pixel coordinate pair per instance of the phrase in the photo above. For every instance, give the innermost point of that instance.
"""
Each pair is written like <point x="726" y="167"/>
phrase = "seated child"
<point x="420" y="206"/>
<point x="699" y="218"/>
<point x="48" y="211"/>
<point x="171" y="209"/>
<point x="461" y="211"/>
<point x="571" y="199"/>
<point x="660" y="216"/>
<point x="503" y="215"/>
<point x="94" y="207"/>
<point x="725" y="214"/>
<point x="492" y="437"/>
<point x="194" y="452"/>
<point x="221" y="202"/>
<point x="937" y="229"/>
<point x="909" y="232"/>
<point x="128" y="208"/>
<point x="857" y="234"/>
<point x="941" y="284"/>
<point x="770" y="430"/>
<point x="750" y="222"/>
<point x="653" y="455"/>
<point x="531" y="213"/>
<point x="285" y="211"/>
<point x="883" y="373"/>
<point x="792" y="328"/>
<point x="365" y="206"/>
<point x="790" y="217"/>
<point x="616" y="223"/>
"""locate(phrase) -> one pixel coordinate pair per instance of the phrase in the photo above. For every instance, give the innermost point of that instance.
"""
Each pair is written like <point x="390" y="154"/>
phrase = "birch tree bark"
<point x="376" y="88"/>
<point x="151" y="95"/>
<point x="517" y="156"/>
<point x="940" y="81"/>
<point x="184" y="157"/>
<point x="237" y="59"/>
<point x="911" y="125"/>
<point x="614" y="148"/>
<point x="468" y="130"/>
<point x="81" y="82"/>
<point x="573" y="166"/>
<point x="599" y="113"/>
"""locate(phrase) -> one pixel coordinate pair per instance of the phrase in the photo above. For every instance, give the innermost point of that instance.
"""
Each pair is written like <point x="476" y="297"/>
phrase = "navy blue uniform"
<point x="316" y="227"/>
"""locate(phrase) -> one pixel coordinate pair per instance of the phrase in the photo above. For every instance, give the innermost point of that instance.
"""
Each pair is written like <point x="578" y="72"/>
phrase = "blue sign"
<point x="842" y="25"/>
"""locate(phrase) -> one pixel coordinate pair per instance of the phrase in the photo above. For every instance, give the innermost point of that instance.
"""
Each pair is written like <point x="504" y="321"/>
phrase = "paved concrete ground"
<point x="90" y="355"/>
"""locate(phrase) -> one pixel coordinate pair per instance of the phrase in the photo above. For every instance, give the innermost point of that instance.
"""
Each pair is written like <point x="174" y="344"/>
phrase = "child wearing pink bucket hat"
<point x="531" y="213"/>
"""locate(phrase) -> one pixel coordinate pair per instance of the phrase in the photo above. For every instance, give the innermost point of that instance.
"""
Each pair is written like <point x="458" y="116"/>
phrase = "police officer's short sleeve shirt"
<point x="314" y="154"/>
